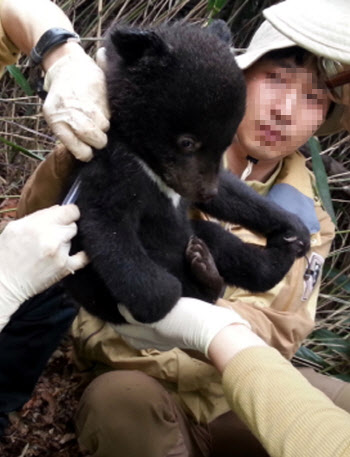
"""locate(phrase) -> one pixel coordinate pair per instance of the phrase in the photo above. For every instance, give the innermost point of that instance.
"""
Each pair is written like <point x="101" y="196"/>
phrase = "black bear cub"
<point x="176" y="97"/>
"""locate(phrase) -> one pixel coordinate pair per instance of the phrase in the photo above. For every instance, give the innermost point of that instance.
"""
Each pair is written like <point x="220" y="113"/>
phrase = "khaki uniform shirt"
<point x="9" y="53"/>
<point x="281" y="316"/>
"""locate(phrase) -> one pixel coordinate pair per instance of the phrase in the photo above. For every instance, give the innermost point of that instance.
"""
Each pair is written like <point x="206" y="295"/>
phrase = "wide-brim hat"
<point x="267" y="38"/>
<point x="320" y="26"/>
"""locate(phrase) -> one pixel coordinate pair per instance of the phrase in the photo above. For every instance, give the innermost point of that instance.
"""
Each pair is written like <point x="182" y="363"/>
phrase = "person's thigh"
<point x="129" y="414"/>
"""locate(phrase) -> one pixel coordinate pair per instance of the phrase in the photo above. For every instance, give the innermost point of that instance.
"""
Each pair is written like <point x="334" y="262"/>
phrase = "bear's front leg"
<point x="236" y="202"/>
<point x="251" y="267"/>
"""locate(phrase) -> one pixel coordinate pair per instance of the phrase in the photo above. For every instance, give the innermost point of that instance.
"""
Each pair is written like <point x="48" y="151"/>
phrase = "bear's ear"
<point x="133" y="44"/>
<point x="219" y="28"/>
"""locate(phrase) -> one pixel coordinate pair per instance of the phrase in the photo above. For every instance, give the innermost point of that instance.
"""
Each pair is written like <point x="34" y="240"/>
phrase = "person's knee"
<point x="121" y="405"/>
<point x="132" y="392"/>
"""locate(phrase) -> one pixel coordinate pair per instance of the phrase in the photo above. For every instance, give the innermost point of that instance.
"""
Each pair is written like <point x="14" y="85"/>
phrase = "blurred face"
<point x="285" y="105"/>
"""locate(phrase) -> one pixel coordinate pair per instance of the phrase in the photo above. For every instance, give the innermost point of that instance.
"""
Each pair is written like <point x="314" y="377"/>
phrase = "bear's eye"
<point x="188" y="143"/>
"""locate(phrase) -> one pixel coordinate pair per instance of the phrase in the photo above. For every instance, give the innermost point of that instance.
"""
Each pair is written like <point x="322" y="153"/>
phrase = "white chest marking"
<point x="166" y="190"/>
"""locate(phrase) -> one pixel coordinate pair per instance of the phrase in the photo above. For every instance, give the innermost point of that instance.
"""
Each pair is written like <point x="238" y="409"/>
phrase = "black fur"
<point x="176" y="98"/>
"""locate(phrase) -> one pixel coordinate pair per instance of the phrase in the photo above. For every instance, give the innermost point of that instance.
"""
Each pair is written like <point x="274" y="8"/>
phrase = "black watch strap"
<point x="50" y="39"/>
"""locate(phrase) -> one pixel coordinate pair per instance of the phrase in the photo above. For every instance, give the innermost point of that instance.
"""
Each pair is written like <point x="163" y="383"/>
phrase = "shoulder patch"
<point x="292" y="200"/>
<point x="312" y="274"/>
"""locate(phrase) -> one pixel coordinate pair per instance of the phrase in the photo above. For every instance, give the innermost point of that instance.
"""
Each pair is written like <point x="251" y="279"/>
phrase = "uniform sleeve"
<point x="9" y="53"/>
<point x="284" y="315"/>
<point x="48" y="183"/>
<point x="286" y="414"/>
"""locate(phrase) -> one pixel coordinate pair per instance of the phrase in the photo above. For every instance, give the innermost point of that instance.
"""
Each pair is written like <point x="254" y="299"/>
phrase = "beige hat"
<point x="320" y="26"/>
<point x="267" y="39"/>
<point x="264" y="40"/>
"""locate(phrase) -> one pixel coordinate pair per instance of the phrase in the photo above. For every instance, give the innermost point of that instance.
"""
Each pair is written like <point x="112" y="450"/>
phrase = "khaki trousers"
<point x="129" y="414"/>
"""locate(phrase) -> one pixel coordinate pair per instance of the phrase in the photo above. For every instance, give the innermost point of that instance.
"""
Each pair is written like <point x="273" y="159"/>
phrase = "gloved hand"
<point x="76" y="106"/>
<point x="34" y="254"/>
<point x="191" y="324"/>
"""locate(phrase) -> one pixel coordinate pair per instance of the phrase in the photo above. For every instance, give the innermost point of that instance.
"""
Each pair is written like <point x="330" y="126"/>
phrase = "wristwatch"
<point x="49" y="40"/>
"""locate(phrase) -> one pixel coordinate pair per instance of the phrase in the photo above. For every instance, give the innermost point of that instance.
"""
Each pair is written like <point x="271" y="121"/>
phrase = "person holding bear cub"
<point x="171" y="402"/>
<point x="286" y="414"/>
<point x="166" y="402"/>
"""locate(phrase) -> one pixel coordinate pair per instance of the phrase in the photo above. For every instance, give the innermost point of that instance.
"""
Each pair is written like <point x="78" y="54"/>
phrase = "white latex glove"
<point x="34" y="254"/>
<point x="76" y="105"/>
<point x="191" y="324"/>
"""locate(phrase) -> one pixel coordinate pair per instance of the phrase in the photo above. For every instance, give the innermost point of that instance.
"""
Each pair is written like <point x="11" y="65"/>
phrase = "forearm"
<point x="229" y="342"/>
<point x="73" y="82"/>
<point x="287" y="415"/>
<point x="24" y="25"/>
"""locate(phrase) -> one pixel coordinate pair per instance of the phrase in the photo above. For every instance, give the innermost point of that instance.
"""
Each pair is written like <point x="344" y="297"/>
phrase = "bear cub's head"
<point x="176" y="97"/>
